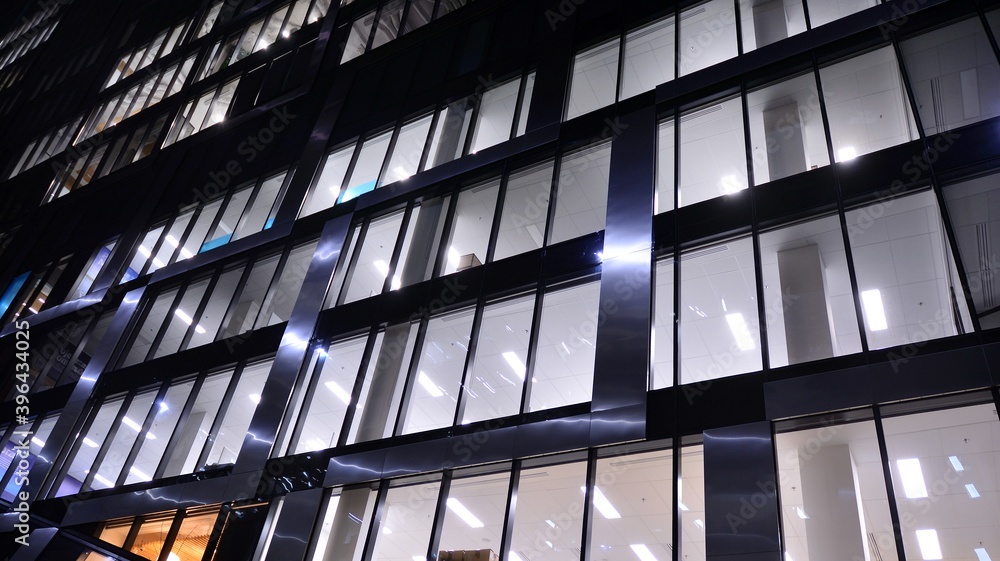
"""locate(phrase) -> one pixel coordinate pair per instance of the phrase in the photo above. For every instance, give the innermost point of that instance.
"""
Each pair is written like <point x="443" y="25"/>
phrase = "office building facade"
<point x="519" y="280"/>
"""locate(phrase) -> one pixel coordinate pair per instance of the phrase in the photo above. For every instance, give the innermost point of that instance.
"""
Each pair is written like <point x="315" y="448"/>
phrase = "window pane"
<point x="323" y="417"/>
<point x="165" y="255"/>
<point x="194" y="243"/>
<point x="345" y="523"/>
<point x="713" y="153"/>
<point x="280" y="300"/>
<point x="407" y="151"/>
<point x="974" y="217"/>
<point x="809" y="305"/>
<point x="825" y="11"/>
<point x="563" y="369"/>
<point x="179" y="322"/>
<point x="208" y="324"/>
<point x="525" y="211"/>
<point x="126" y="435"/>
<point x="595" y="79"/>
<point x="236" y="421"/>
<point x="423" y="235"/>
<point x="582" y="193"/>
<point x="258" y="216"/>
<point x="150" y="327"/>
<point x="385" y="376"/>
<point x="89" y="446"/>
<point x="372" y="265"/>
<point x="151" y="536"/>
<point x="767" y="21"/>
<point x="94" y="269"/>
<point x="343" y="263"/>
<point x="833" y="493"/>
<point x="434" y="393"/>
<point x="450" y="132"/>
<point x="720" y="332"/>
<point x="194" y="535"/>
<point x="419" y="14"/>
<point x="223" y="232"/>
<point x="357" y="41"/>
<point x="327" y="189"/>
<point x="153" y="445"/>
<point x="193" y="431"/>
<point x="368" y="166"/>
<point x="388" y="23"/>
<point x="909" y="289"/>
<point x="708" y="35"/>
<point x="244" y="311"/>
<point x="220" y="107"/>
<point x="407" y="519"/>
<point x="691" y="495"/>
<point x="496" y="115"/>
<point x="944" y="473"/>
<point x="622" y="525"/>
<point x="485" y="498"/>
<point x="954" y="76"/>
<point x="547" y="496"/>
<point x="471" y="226"/>
<point x="866" y="104"/>
<point x="649" y="57"/>
<point x="270" y="34"/>
<point x="249" y="40"/>
<point x="786" y="129"/>
<point x="662" y="336"/>
<point x="663" y="199"/>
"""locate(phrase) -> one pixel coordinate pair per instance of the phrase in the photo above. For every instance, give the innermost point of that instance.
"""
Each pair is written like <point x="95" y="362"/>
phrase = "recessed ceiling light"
<point x="913" y="478"/>
<point x="643" y="552"/>
<point x="429" y="385"/>
<point x="255" y="398"/>
<point x="802" y="514"/>
<point x="515" y="363"/>
<point x="731" y="184"/>
<point x="981" y="553"/>
<point x="973" y="492"/>
<point x="464" y="513"/>
<point x="603" y="505"/>
<point x="846" y="153"/>
<point x="339" y="392"/>
<point x="956" y="463"/>
<point x="872" y="301"/>
<point x="930" y="547"/>
<point x="740" y="331"/>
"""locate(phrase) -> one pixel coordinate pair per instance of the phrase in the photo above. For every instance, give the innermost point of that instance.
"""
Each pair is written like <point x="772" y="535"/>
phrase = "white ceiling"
<point x="713" y="153"/>
<point x="649" y="57"/>
<point x="582" y="193"/>
<point x="496" y="115"/>
<point x="472" y="224"/>
<point x="440" y="364"/>
<point x="367" y="278"/>
<point x="708" y="35"/>
<point x="525" y="210"/>
<point x="595" y="79"/>
<point x="825" y="11"/>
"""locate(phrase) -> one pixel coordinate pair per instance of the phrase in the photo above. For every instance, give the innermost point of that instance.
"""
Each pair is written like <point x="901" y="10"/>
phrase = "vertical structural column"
<point x="291" y="530"/>
<point x="621" y="370"/>
<point x="741" y="503"/>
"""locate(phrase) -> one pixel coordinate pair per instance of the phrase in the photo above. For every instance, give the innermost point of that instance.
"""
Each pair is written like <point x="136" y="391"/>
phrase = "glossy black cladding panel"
<point x="291" y="531"/>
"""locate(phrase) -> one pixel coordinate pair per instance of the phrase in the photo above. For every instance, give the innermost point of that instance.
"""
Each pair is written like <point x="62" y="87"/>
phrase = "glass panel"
<point x="833" y="494"/>
<point x="193" y="536"/>
<point x="323" y="417"/>
<point x="236" y="420"/>
<point x="249" y="40"/>
<point x="496" y="116"/>
<point x="435" y="390"/>
<point x="340" y="272"/>
<point x="375" y="415"/>
<point x="954" y="76"/>
<point x="153" y="532"/>
<point x="244" y="312"/>
<point x="662" y="336"/>
<point x="663" y="198"/>
<point x="548" y="519"/>
<point x="150" y="327"/>
<point x="906" y="276"/>
<point x="209" y="21"/>
<point x="89" y="446"/>
<point x="649" y="57"/>
<point x="142" y="254"/>
<point x="529" y="90"/>
<point x="595" y="79"/>
<point x="364" y="177"/>
<point x="708" y="35"/>
<point x="582" y="193"/>
<point x="691" y="495"/>
<point x="419" y="14"/>
<point x="270" y="34"/>
<point x="125" y="437"/>
<point x="786" y="129"/>
<point x="193" y="244"/>
<point x="866" y="104"/>
<point x="407" y="519"/>
<point x="220" y="107"/>
<point x="281" y="298"/>
<point x="525" y="211"/>
<point x="407" y="151"/>
<point x="973" y="208"/>
<point x="713" y="153"/>
<point x="471" y="227"/>
<point x="768" y="21"/>
<point x="116" y="533"/>
<point x="154" y="444"/>
<point x="809" y="305"/>
<point x="257" y="218"/>
<point x="195" y="122"/>
<point x="563" y="366"/>
<point x="215" y="310"/>
<point x="448" y="140"/>
<point x="180" y="321"/>
<point x="165" y="254"/>
<point x="324" y="194"/>
<point x="357" y="42"/>
<point x="825" y="11"/>
<point x="720" y="331"/>
<point x="344" y="528"/>
<point x="193" y="431"/>
<point x="10" y="456"/>
<point x="474" y="517"/>
<point x="633" y="505"/>
<point x="372" y="265"/>
<point x="297" y="19"/>
<point x="388" y="22"/>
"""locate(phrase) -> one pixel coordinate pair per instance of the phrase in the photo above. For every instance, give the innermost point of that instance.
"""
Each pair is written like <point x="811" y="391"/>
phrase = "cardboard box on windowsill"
<point x="468" y="555"/>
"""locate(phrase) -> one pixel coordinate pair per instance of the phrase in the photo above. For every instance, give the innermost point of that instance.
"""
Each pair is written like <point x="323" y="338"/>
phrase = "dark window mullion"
<point x="200" y="309"/>
<point x="359" y="382"/>
<point x="141" y="439"/>
<point x="179" y="428"/>
<point x="109" y="438"/>
<point x="529" y="363"/>
<point x="237" y="294"/>
<point x="161" y="332"/>
<point x="314" y="373"/>
<point x="220" y="416"/>
<point x="410" y="374"/>
<point x="470" y="359"/>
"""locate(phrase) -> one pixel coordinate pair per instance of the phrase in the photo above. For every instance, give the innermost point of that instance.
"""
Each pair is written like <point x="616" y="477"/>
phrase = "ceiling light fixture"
<point x="464" y="513"/>
<point x="339" y="392"/>
<point x="740" y="332"/>
<point x="913" y="478"/>
<point x="643" y="552"/>
<point x="846" y="153"/>
<point x="930" y="547"/>
<point x="515" y="363"/>
<point x="429" y="385"/>
<point x="872" y="301"/>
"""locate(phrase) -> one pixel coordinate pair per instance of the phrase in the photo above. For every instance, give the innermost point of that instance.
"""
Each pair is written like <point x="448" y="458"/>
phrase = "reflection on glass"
<point x="496" y="116"/>
<point x="368" y="166"/>
<point x="548" y="518"/>
<point x="525" y="211"/>
<point x="471" y="226"/>
<point x="407" y="151"/>
<point x="166" y="413"/>
<point x="719" y="328"/>
<point x="809" y="305"/>
<point x="909" y="286"/>
<point x="88" y="447"/>
<point x="152" y="535"/>
<point x="474" y="515"/>
<point x="435" y="390"/>
<point x="323" y="417"/>
<point x="833" y="494"/>
<point x="193" y="535"/>
<point x="708" y="35"/>
<point x="661" y="342"/>
<point x="825" y="11"/>
<point x="663" y="198"/>
<point x="786" y="129"/>
<point x="385" y="378"/>
<point x="595" y="79"/>
<point x="194" y="430"/>
<point x="407" y="519"/>
<point x="236" y="419"/>
<point x="691" y="499"/>
<point x="328" y="186"/>
<point x="344" y="528"/>
<point x="633" y="505"/>
<point x="649" y="57"/>
<point x="767" y="21"/>
<point x="713" y="153"/>
<point x="145" y="333"/>
<point x="581" y="193"/>
<point x="372" y="263"/>
<point x="128" y="431"/>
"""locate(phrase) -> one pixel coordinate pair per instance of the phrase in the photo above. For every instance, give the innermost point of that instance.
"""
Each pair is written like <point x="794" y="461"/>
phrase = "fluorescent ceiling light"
<point x="699" y="523"/>
<point x="382" y="267"/>
<point x="981" y="553"/>
<point x="37" y="441"/>
<point x="643" y="552"/>
<point x="139" y="473"/>
<point x="550" y="523"/>
<point x="603" y="505"/>
<point x="453" y="256"/>
<point x="802" y="514"/>
<point x="173" y="557"/>
<point x="255" y="398"/>
<point x="104" y="480"/>
<point x="930" y="548"/>
<point x="172" y="241"/>
<point x="89" y="442"/>
<point x="145" y="252"/>
<point x="186" y="254"/>
<point x="872" y="301"/>
<point x="973" y="492"/>
<point x="401" y="172"/>
<point x="731" y="184"/>
<point x="339" y="392"/>
<point x="846" y="153"/>
<point x="157" y="262"/>
<point x="131" y="424"/>
<point x="740" y="332"/>
<point x="387" y="530"/>
<point x="683" y="506"/>
<point x="913" y="478"/>
<point x="515" y="363"/>
<point x="184" y="317"/>
<point x="463" y="513"/>
<point x="512" y="557"/>
<point x="956" y="463"/>
<point x="163" y="407"/>
<point x="429" y="385"/>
